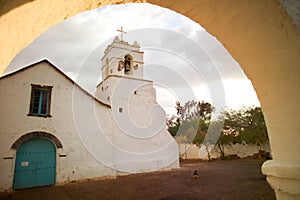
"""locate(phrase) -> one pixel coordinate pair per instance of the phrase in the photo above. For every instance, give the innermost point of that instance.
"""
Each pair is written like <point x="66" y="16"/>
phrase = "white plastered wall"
<point x="139" y="127"/>
<point x="78" y="163"/>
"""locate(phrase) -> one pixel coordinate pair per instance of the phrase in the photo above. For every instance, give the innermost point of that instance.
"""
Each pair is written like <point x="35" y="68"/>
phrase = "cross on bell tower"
<point x="122" y="31"/>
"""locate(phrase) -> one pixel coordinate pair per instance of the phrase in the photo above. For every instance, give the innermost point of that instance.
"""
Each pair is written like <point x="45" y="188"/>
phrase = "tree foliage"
<point x="194" y="110"/>
<point x="193" y="119"/>
<point x="245" y="125"/>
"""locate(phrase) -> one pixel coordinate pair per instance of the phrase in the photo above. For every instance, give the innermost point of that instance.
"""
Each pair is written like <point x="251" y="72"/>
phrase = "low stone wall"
<point x="192" y="151"/>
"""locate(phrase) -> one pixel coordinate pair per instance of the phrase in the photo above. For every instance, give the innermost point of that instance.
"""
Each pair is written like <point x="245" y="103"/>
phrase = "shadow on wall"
<point x="6" y="6"/>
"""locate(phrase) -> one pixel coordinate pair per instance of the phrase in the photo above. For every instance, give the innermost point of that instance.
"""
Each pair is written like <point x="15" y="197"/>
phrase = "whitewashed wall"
<point x="97" y="140"/>
<point x="192" y="151"/>
<point x="15" y="92"/>
<point x="139" y="134"/>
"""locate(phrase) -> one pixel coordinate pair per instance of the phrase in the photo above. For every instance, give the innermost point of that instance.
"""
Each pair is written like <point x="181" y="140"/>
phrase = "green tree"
<point x="194" y="109"/>
<point x="191" y="121"/>
<point x="245" y="125"/>
<point x="194" y="118"/>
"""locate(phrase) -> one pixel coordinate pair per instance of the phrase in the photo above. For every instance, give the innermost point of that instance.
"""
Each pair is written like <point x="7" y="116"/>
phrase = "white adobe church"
<point x="53" y="131"/>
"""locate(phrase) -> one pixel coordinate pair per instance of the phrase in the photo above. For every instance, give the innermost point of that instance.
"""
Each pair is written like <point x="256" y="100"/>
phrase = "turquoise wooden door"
<point x="35" y="164"/>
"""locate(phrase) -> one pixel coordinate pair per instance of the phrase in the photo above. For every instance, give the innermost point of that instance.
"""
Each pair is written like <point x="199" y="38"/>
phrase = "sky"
<point x="184" y="61"/>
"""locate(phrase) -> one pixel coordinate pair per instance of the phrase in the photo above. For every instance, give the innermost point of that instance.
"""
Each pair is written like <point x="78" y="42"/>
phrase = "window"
<point x="40" y="100"/>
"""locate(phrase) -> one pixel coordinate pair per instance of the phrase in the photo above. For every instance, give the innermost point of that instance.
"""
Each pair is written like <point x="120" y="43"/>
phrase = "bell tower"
<point x="120" y="60"/>
<point x="134" y="121"/>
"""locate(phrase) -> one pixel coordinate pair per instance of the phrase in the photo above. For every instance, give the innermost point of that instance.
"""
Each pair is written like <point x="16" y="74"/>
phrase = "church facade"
<point x="53" y="131"/>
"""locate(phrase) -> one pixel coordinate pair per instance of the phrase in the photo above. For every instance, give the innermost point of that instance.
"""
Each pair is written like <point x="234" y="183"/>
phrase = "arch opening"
<point x="127" y="64"/>
<point x="255" y="34"/>
<point x="36" y="134"/>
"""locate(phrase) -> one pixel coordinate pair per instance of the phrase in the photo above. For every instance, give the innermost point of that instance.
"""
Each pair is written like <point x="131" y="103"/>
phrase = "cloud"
<point x="240" y="93"/>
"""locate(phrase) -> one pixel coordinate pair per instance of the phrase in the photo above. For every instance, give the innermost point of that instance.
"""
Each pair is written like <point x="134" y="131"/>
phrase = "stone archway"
<point x="258" y="34"/>
<point x="36" y="134"/>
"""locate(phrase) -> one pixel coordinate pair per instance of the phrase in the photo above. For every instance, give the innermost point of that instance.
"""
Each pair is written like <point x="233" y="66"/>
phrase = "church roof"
<point x="59" y="71"/>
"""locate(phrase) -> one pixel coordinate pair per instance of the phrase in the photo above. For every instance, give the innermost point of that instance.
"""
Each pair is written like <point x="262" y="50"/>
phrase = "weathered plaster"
<point x="77" y="164"/>
<point x="138" y="122"/>
<point x="192" y="151"/>
<point x="92" y="141"/>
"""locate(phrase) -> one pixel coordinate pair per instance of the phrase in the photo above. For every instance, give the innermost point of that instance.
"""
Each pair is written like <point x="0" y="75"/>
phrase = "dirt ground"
<point x="234" y="179"/>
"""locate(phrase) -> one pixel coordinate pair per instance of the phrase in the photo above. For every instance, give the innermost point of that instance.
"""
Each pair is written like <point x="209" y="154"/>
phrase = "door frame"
<point x="35" y="135"/>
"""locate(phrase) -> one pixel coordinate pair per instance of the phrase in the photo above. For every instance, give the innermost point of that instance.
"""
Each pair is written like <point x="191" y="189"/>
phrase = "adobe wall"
<point x="76" y="163"/>
<point x="192" y="151"/>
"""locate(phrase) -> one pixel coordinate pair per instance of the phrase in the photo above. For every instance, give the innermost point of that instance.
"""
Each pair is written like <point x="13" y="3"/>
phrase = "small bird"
<point x="195" y="174"/>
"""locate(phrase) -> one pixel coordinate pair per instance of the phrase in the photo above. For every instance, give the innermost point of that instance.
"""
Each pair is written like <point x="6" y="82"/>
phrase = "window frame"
<point x="34" y="88"/>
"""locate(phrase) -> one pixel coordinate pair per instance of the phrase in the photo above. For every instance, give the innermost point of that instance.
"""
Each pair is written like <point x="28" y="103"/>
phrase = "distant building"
<point x="53" y="131"/>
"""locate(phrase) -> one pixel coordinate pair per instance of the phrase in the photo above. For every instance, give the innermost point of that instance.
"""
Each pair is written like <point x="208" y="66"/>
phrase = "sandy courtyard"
<point x="227" y="180"/>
